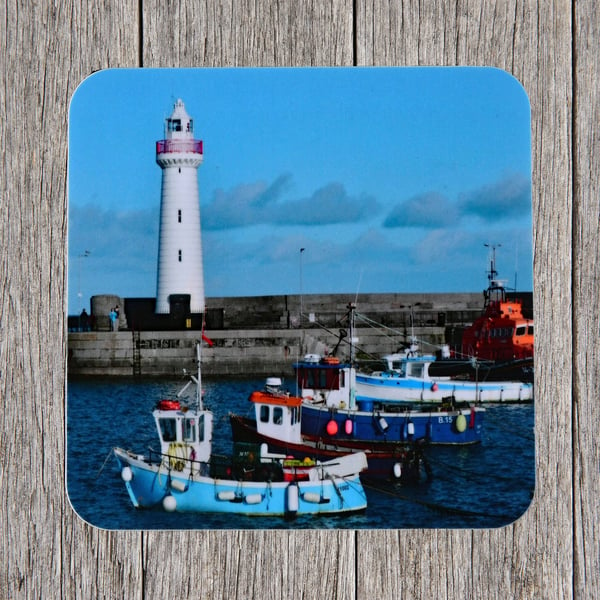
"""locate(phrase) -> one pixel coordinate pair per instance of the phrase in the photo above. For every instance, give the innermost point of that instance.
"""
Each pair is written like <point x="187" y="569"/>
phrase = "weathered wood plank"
<point x="48" y="551"/>
<point x="586" y="293"/>
<point x="48" y="48"/>
<point x="249" y="564"/>
<point x="247" y="33"/>
<point x="533" y="557"/>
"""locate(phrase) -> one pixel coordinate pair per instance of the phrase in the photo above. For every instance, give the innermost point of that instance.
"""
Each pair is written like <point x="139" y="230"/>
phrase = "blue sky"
<point x="392" y="179"/>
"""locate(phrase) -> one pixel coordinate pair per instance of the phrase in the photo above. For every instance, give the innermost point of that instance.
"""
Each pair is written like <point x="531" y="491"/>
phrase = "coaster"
<point x="275" y="305"/>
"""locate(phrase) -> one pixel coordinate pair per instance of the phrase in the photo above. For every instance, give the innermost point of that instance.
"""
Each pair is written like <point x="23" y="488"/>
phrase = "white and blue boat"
<point x="407" y="380"/>
<point x="334" y="411"/>
<point x="184" y="475"/>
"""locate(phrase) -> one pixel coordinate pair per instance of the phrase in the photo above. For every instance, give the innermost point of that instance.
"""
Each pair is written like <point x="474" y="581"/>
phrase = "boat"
<point x="501" y="339"/>
<point x="335" y="410"/>
<point x="409" y="379"/>
<point x="185" y="476"/>
<point x="278" y="427"/>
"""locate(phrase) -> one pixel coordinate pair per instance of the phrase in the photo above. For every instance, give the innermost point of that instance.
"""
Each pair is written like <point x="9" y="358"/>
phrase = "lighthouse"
<point x="180" y="272"/>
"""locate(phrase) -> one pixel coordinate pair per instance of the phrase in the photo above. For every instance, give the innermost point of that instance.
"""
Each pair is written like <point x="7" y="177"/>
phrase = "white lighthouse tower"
<point x="180" y="242"/>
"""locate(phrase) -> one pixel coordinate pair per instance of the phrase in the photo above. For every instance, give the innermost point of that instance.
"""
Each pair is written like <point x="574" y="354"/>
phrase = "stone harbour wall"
<point x="234" y="352"/>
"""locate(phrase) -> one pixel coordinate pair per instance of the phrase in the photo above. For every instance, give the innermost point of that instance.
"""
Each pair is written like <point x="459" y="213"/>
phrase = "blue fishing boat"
<point x="334" y="411"/>
<point x="184" y="474"/>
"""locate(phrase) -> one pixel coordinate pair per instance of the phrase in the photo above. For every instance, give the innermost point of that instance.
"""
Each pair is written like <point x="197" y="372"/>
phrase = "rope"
<point x="439" y="507"/>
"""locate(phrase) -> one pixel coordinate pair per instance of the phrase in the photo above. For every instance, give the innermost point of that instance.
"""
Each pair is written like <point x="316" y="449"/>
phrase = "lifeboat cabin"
<point x="502" y="333"/>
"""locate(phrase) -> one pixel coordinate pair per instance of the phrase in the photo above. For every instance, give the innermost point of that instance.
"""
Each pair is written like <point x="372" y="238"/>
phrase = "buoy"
<point x="383" y="424"/>
<point x="126" y="474"/>
<point x="472" y="419"/>
<point x="434" y="387"/>
<point x="169" y="503"/>
<point x="397" y="470"/>
<point x="332" y="427"/>
<point x="226" y="495"/>
<point x="253" y="498"/>
<point x="411" y="428"/>
<point x="178" y="485"/>
<point x="311" y="497"/>
<point x="292" y="498"/>
<point x="348" y="426"/>
<point x="461" y="423"/>
<point x="429" y="430"/>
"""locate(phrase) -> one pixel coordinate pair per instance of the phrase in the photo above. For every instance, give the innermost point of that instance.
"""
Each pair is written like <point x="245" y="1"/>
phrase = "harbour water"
<point x="482" y="486"/>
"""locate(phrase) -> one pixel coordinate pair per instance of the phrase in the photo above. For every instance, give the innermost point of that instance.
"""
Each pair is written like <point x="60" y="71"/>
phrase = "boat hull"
<point x="156" y="485"/>
<point x="385" y="459"/>
<point x="390" y="387"/>
<point x="452" y="427"/>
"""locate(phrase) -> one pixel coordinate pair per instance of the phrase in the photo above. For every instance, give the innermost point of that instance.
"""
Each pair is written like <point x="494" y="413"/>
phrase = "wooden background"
<point x="48" y="48"/>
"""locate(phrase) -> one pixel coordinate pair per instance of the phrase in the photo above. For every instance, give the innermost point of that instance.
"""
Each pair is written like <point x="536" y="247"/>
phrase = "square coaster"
<point x="275" y="305"/>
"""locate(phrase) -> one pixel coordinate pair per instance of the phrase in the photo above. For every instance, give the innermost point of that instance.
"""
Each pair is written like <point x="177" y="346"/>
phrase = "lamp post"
<point x="301" y="295"/>
<point x="85" y="254"/>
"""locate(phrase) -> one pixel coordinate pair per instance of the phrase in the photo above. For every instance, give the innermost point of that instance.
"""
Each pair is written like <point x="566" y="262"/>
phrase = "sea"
<point x="482" y="486"/>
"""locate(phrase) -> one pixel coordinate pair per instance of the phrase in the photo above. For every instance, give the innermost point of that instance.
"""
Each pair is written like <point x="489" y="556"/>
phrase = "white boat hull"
<point x="390" y="387"/>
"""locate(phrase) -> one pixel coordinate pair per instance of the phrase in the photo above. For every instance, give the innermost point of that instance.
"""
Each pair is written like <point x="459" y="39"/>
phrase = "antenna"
<point x="358" y="285"/>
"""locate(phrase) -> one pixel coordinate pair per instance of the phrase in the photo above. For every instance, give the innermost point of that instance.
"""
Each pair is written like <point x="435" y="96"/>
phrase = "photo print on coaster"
<point x="275" y="305"/>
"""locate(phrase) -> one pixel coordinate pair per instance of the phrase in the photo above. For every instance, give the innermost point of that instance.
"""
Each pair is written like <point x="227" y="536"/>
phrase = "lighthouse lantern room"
<point x="180" y="270"/>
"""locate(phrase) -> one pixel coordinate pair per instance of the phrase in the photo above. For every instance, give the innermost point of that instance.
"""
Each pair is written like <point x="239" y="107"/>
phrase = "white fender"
<point x="311" y="497"/>
<point x="397" y="470"/>
<point x="169" y="503"/>
<point x="178" y="485"/>
<point x="253" y="499"/>
<point x="292" y="498"/>
<point x="226" y="495"/>
<point x="126" y="474"/>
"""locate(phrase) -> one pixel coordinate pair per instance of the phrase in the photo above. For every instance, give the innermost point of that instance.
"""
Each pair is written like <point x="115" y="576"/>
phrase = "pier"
<point x="264" y="335"/>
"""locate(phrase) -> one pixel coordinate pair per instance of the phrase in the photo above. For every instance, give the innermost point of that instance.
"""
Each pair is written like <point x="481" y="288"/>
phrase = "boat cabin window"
<point x="416" y="369"/>
<point x="201" y="428"/>
<point x="320" y="379"/>
<point x="295" y="415"/>
<point x="264" y="414"/>
<point x="189" y="430"/>
<point x="530" y="330"/>
<point x="399" y="366"/>
<point x="168" y="429"/>
<point x="521" y="330"/>
<point x="277" y="415"/>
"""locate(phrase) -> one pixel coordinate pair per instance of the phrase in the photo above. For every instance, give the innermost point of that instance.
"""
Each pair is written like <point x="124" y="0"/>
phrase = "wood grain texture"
<point x="586" y="292"/>
<point x="553" y="551"/>
<point x="533" y="556"/>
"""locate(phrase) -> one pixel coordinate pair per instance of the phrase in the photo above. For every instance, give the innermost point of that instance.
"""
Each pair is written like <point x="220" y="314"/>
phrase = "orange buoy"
<point x="332" y="427"/>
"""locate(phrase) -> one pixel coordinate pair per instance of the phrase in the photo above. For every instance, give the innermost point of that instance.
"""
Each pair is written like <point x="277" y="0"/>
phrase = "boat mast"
<point x="494" y="284"/>
<point x="351" y="370"/>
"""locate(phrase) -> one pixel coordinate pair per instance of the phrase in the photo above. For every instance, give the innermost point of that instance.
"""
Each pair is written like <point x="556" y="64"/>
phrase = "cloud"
<point x="504" y="199"/>
<point x="429" y="210"/>
<point x="116" y="238"/>
<point x="262" y="204"/>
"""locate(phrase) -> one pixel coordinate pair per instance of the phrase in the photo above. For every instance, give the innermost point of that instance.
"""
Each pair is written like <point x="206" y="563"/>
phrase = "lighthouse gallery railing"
<point x="165" y="146"/>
